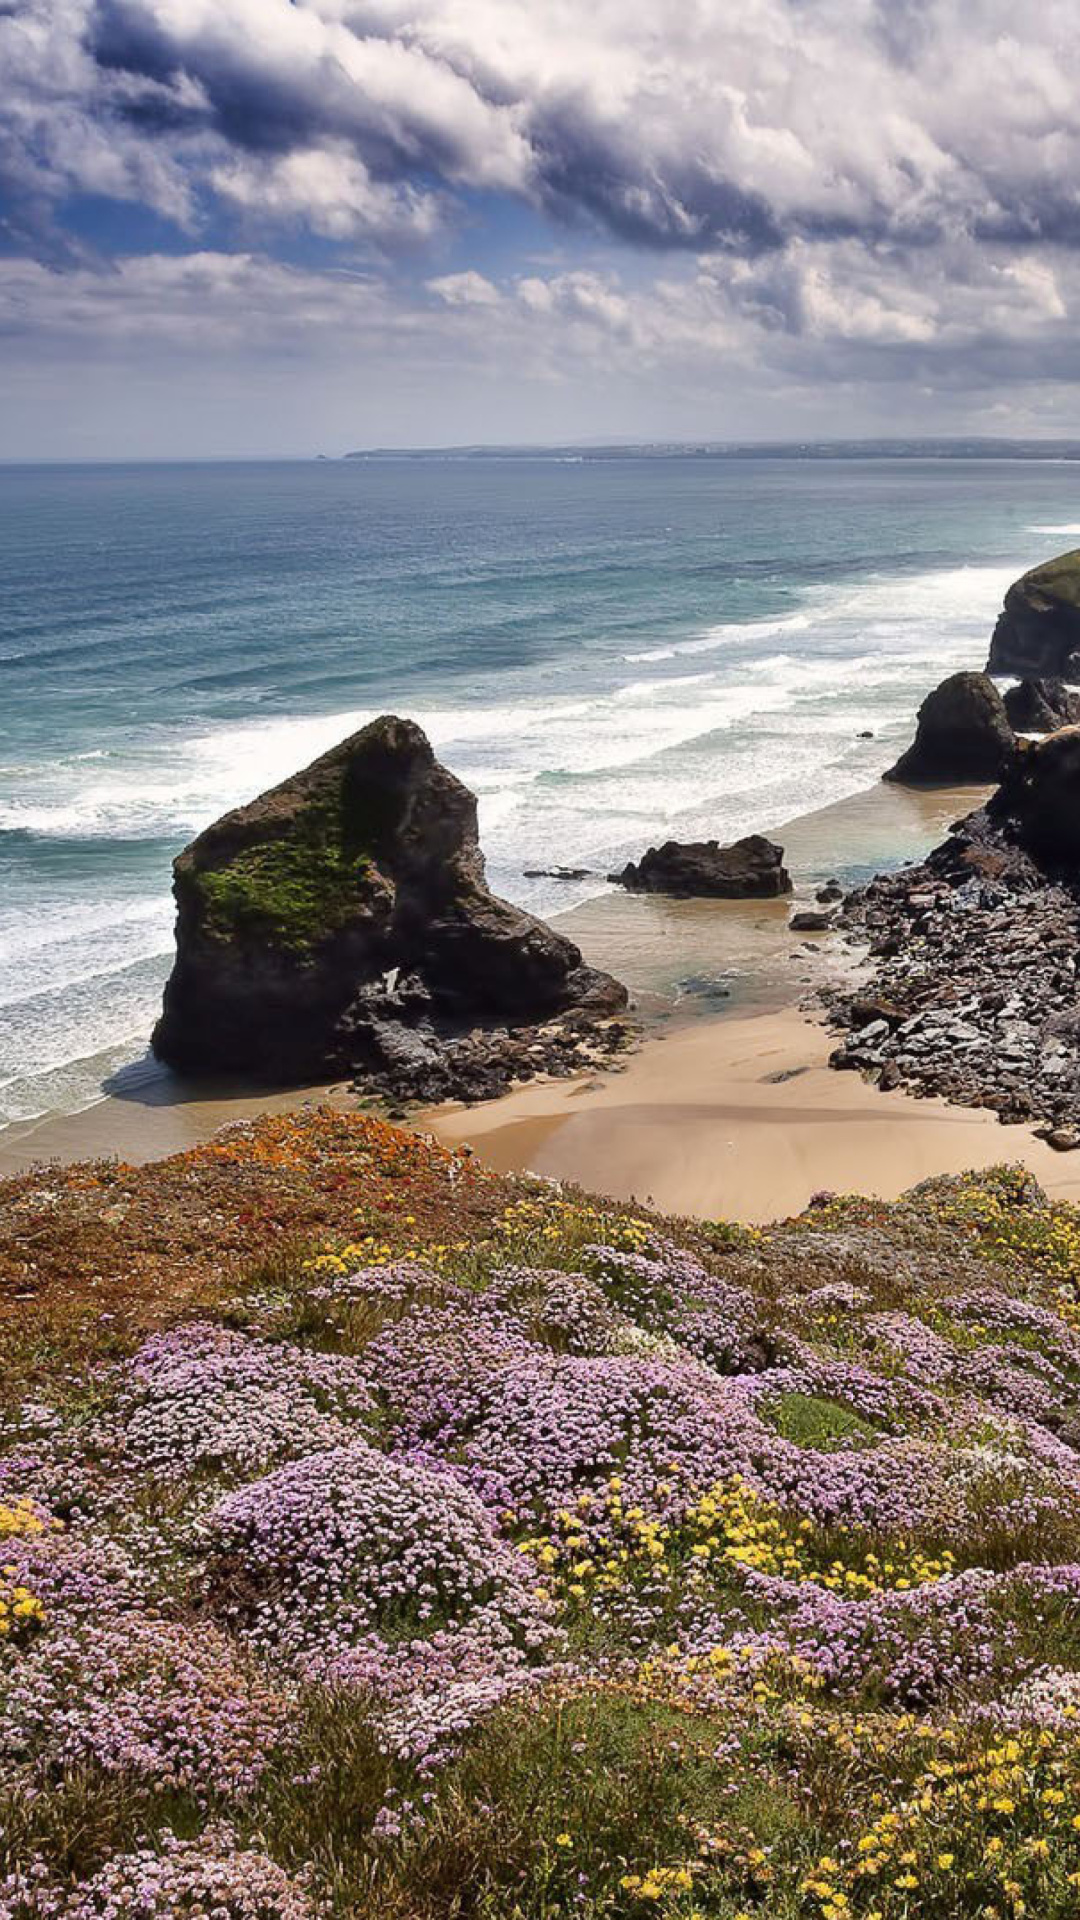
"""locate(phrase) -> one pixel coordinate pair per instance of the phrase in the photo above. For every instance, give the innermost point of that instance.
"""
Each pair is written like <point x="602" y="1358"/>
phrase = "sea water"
<point x="608" y="651"/>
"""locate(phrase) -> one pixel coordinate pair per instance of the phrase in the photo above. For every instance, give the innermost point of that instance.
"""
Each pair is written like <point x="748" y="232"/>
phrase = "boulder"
<point x="1039" y="803"/>
<point x="1042" y="706"/>
<point x="963" y="734"/>
<point x="812" y="920"/>
<point x="749" y="869"/>
<point x="1038" y="631"/>
<point x="293" y="911"/>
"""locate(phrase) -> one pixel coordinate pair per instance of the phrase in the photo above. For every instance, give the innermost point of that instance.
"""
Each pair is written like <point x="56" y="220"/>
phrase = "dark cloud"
<point x="698" y="128"/>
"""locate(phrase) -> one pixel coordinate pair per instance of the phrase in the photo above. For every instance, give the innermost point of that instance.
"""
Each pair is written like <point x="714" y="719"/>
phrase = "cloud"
<point x="774" y="197"/>
<point x="331" y="192"/>
<point x="696" y="128"/>
<point x="469" y="289"/>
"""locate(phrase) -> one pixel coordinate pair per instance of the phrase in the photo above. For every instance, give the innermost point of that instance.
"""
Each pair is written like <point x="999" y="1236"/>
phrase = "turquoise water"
<point x="606" y="651"/>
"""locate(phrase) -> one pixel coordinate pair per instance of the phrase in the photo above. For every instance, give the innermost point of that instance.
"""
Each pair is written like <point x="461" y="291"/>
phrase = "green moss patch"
<point x="291" y="892"/>
<point x="1058" y="579"/>
<point x="811" y="1421"/>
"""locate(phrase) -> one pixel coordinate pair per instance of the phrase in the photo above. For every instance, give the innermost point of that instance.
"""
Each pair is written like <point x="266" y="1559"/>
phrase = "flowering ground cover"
<point x="378" y="1536"/>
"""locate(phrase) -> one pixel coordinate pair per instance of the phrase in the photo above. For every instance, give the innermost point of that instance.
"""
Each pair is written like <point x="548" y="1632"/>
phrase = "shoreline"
<point x="725" y="1106"/>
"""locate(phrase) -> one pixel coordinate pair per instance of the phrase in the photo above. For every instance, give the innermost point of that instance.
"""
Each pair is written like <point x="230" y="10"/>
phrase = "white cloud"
<point x="696" y="126"/>
<point x="469" y="289"/>
<point x="329" y="190"/>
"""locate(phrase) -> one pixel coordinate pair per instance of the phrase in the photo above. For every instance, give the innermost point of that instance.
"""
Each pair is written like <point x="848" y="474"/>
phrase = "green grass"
<point x="808" y="1420"/>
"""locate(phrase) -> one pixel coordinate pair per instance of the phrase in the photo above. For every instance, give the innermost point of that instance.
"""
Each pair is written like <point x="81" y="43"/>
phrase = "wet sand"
<point x="741" y="1118"/>
<point x="150" y="1128"/>
<point x="650" y="941"/>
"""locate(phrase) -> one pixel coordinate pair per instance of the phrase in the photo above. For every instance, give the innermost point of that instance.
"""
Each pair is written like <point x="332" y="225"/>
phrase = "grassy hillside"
<point x="380" y="1536"/>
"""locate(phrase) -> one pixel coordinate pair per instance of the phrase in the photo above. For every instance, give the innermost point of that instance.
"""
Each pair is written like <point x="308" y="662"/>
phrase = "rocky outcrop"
<point x="1038" y="806"/>
<point x="963" y="734"/>
<point x="975" y="955"/>
<point x="1038" y="631"/>
<point x="1041" y="706"/>
<point x="346" y="903"/>
<point x="749" y="869"/>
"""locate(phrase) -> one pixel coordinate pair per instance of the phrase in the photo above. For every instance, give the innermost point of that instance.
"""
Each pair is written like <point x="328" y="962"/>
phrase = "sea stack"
<point x="358" y="876"/>
<point x="1038" y="631"/>
<point x="962" y="734"/>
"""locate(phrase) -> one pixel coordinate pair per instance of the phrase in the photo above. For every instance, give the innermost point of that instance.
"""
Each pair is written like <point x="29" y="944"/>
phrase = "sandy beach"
<point x="727" y="1107"/>
<point x="741" y="1118"/>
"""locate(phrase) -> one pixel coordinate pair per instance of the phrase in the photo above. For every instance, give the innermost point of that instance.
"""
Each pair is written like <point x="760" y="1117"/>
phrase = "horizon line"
<point x="851" y="445"/>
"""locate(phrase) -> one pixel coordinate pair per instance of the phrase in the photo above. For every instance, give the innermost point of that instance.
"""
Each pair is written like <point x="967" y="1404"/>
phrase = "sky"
<point x="287" y="227"/>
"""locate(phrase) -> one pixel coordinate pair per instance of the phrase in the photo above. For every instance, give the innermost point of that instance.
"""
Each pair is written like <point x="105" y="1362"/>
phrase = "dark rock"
<point x="1039" y="804"/>
<point x="1062" y="1139"/>
<point x="812" y="920"/>
<point x="749" y="869"/>
<point x="973" y="995"/>
<point x="866" y="734"/>
<point x="364" y="869"/>
<point x="1042" y="706"/>
<point x="704" y="986"/>
<point x="829" y="893"/>
<point x="963" y="733"/>
<point x="1038" y="632"/>
<point x="557" y="873"/>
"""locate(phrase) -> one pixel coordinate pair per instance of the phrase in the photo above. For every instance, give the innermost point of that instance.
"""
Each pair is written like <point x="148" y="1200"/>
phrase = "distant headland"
<point x="965" y="448"/>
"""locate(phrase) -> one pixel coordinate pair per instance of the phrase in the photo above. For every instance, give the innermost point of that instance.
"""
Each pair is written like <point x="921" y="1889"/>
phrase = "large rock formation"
<point x="963" y="734"/>
<point x="350" y="896"/>
<point x="1039" y="804"/>
<point x="1038" y="633"/>
<point x="1042" y="706"/>
<point x="750" y="869"/>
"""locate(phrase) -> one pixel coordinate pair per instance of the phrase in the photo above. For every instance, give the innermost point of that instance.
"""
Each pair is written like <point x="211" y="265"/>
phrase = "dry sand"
<point x="741" y="1118"/>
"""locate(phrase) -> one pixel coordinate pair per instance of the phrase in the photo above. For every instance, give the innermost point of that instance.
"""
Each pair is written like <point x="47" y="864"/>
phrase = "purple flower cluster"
<point x="207" y="1879"/>
<point x="955" y="1638"/>
<point x="249" y="1521"/>
<point x="348" y="1544"/>
<point x="669" y="1291"/>
<point x="172" y="1707"/>
<point x="202" y="1399"/>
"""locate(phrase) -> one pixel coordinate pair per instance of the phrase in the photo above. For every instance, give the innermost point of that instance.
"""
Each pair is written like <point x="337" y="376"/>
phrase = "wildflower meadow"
<point x="382" y="1537"/>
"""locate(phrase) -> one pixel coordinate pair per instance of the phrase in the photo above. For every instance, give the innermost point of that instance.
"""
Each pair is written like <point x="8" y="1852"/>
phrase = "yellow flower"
<point x="563" y="1840"/>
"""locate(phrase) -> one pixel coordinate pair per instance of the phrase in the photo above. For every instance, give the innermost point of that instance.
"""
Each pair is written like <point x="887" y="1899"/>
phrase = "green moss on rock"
<point x="1057" y="579"/>
<point x="292" y="890"/>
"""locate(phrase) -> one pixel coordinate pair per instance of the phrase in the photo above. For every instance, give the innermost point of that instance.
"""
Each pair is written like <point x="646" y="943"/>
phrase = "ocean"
<point x="608" y="651"/>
